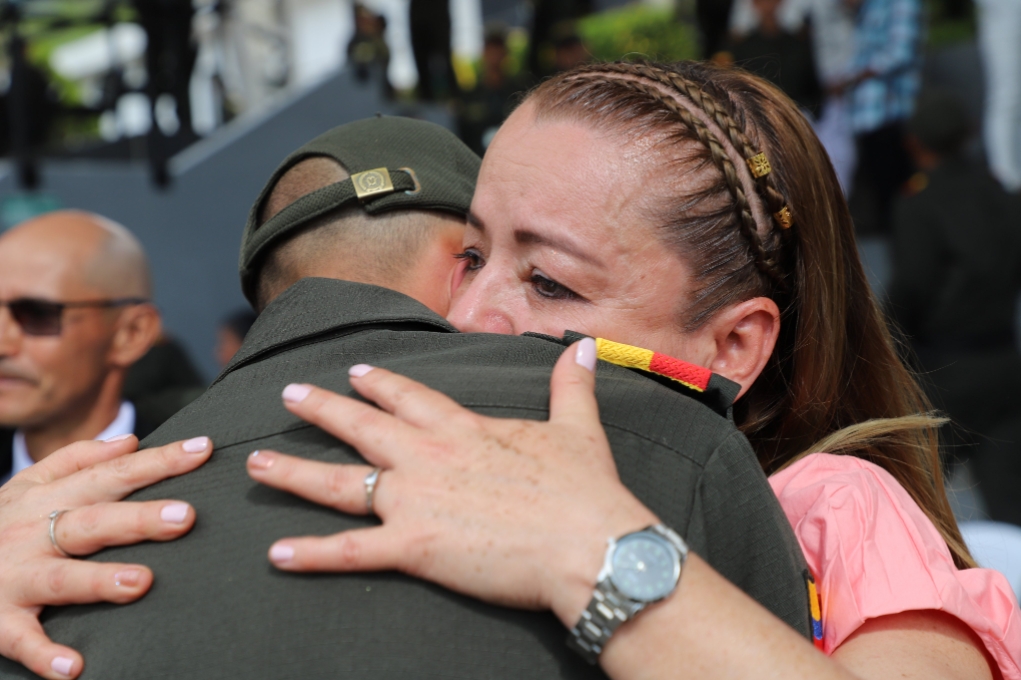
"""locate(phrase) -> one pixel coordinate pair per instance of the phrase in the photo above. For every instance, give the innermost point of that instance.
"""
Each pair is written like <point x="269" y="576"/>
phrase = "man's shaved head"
<point x="94" y="253"/>
<point x="382" y="249"/>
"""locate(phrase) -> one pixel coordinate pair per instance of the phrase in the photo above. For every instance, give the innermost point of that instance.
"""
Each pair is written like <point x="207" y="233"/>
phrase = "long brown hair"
<point x="835" y="381"/>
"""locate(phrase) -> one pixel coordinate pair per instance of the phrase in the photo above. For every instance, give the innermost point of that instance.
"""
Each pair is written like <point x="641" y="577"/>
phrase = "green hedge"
<point x="638" y="31"/>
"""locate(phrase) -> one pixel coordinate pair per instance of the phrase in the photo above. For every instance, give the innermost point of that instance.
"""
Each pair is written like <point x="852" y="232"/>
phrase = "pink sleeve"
<point x="874" y="552"/>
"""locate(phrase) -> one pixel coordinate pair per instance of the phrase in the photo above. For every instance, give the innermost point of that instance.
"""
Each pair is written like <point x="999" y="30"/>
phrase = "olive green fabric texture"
<point x="218" y="609"/>
<point x="431" y="169"/>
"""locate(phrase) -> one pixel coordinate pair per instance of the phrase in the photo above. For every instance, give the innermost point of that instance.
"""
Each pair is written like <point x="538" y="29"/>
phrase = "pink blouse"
<point x="874" y="552"/>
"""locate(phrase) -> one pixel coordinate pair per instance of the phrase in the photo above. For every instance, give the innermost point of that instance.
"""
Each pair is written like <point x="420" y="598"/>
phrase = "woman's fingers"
<point x="377" y="435"/>
<point x="85" y="530"/>
<point x="374" y="549"/>
<point x="116" y="478"/>
<point x="80" y="455"/>
<point x="62" y="582"/>
<point x="572" y="386"/>
<point x="22" y="640"/>
<point x="341" y="487"/>
<point x="409" y="400"/>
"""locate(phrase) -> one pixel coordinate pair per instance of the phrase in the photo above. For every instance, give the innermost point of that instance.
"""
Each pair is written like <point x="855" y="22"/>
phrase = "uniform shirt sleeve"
<point x="873" y="553"/>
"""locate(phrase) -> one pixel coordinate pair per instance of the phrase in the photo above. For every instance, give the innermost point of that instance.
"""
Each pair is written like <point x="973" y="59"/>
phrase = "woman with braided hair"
<point x="689" y="210"/>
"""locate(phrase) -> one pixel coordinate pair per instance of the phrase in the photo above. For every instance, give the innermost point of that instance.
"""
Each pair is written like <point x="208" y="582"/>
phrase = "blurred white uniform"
<point x="999" y="33"/>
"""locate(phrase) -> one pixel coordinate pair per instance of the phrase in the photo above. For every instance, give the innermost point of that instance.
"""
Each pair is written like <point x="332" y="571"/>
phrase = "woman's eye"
<point x="548" y="288"/>
<point x="473" y="258"/>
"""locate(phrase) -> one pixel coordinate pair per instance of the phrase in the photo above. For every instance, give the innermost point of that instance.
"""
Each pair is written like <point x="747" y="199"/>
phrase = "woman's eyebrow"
<point x="474" y="221"/>
<point x="526" y="237"/>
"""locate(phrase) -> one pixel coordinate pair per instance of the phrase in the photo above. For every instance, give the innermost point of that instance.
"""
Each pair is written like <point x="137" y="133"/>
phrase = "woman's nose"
<point x="478" y="308"/>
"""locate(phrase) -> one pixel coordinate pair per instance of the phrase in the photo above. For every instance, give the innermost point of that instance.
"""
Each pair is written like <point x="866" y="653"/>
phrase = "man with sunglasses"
<point x="74" y="315"/>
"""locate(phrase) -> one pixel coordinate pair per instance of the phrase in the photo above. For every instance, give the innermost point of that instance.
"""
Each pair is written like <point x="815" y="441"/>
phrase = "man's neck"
<point x="86" y="421"/>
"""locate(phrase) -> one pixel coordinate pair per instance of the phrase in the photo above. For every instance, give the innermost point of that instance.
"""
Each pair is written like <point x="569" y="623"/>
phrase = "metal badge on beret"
<point x="372" y="183"/>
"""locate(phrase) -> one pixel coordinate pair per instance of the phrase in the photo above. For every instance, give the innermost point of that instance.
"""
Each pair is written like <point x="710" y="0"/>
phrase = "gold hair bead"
<point x="759" y="165"/>
<point x="784" y="217"/>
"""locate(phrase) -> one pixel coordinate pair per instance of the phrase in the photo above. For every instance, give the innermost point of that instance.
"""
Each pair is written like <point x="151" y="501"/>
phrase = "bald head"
<point x="64" y="383"/>
<point x="91" y="254"/>
<point x="403" y="250"/>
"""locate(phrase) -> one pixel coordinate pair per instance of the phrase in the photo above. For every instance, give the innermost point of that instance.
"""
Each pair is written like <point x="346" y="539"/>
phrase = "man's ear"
<point x="745" y="336"/>
<point x="138" y="328"/>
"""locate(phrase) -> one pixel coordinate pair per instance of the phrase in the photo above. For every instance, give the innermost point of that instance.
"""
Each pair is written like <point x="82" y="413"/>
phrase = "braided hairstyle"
<point x="835" y="381"/>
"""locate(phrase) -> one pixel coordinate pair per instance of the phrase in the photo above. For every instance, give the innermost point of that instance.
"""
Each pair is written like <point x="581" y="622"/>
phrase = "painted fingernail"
<point x="127" y="578"/>
<point x="174" y="512"/>
<point x="280" y="554"/>
<point x="118" y="438"/>
<point x="260" y="459"/>
<point x="586" y="354"/>
<point x="62" y="665"/>
<point x="196" y="445"/>
<point x="358" y="370"/>
<point x="295" y="393"/>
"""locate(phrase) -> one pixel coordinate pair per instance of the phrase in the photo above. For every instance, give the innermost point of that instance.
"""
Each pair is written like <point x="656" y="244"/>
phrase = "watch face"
<point x="645" y="567"/>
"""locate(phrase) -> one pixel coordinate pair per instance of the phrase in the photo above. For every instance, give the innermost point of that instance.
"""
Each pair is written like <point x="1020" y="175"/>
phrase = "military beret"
<point x="395" y="164"/>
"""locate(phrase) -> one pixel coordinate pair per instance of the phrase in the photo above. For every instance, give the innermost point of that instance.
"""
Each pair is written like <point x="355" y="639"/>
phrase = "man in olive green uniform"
<point x="219" y="609"/>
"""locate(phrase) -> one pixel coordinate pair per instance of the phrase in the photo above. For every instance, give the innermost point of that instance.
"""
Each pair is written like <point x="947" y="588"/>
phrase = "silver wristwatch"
<point x="640" y="568"/>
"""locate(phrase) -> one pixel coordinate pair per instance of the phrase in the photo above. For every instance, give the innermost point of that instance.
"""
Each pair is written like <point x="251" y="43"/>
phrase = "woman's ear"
<point x="745" y="336"/>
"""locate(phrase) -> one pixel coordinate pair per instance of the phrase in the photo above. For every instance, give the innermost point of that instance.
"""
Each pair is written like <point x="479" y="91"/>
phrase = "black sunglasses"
<point x="43" y="317"/>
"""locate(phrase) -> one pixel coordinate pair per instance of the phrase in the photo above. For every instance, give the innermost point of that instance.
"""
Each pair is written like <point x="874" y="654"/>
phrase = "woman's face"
<point x="559" y="238"/>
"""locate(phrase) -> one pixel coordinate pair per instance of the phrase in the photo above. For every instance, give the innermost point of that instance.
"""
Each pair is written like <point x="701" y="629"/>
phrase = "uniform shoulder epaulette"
<point x="711" y="389"/>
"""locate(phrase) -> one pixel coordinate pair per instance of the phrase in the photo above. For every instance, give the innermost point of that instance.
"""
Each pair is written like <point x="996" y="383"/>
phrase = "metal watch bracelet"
<point x="608" y="608"/>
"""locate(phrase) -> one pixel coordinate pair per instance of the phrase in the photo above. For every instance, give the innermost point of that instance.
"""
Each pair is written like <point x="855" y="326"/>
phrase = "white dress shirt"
<point x="124" y="423"/>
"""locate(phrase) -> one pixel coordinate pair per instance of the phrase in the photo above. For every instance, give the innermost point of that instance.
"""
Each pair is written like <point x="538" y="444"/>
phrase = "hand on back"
<point x="86" y="479"/>
<point x="514" y="512"/>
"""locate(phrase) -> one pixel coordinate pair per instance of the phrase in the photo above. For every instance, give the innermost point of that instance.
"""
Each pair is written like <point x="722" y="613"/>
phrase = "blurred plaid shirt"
<point x="889" y="42"/>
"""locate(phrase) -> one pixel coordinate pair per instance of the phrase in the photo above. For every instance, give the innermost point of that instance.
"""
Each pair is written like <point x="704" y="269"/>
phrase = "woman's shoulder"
<point x="874" y="552"/>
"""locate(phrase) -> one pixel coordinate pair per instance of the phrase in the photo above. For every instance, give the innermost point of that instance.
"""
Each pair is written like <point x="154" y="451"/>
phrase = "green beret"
<point x="395" y="164"/>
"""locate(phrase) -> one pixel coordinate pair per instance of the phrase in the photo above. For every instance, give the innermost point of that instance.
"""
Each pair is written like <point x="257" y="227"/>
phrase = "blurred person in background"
<point x="999" y="37"/>
<point x="367" y="51"/>
<point x="829" y="26"/>
<point x="956" y="278"/>
<point x="782" y="57"/>
<point x="713" y="19"/>
<point x="163" y="381"/>
<point x="170" y="55"/>
<point x="569" y="49"/>
<point x="482" y="109"/>
<point x="231" y="334"/>
<point x="551" y="19"/>
<point x="430" y="43"/>
<point x="881" y="87"/>
<point x="74" y="316"/>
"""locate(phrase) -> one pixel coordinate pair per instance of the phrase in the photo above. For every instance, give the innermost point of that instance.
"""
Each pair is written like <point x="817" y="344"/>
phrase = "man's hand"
<point x="86" y="479"/>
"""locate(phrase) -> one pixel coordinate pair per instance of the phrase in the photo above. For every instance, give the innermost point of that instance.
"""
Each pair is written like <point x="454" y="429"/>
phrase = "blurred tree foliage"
<point x="638" y="31"/>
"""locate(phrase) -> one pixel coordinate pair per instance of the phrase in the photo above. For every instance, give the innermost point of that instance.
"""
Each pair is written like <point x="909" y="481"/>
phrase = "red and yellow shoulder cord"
<point x="629" y="356"/>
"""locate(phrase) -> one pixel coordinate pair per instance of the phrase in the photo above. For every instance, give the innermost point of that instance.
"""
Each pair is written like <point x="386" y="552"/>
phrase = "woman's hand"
<point x="85" y="479"/>
<point x="466" y="501"/>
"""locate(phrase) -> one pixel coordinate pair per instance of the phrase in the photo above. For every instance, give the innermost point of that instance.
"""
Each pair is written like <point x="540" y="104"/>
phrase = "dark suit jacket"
<point x="144" y="426"/>
<point x="218" y="609"/>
